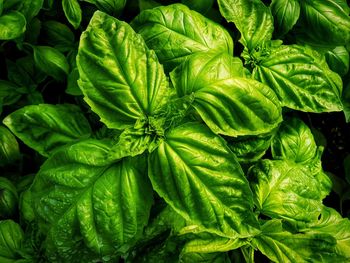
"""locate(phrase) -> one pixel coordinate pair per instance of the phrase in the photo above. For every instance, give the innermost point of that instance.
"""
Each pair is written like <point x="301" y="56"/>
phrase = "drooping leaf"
<point x="120" y="77"/>
<point x="51" y="61"/>
<point x="286" y="190"/>
<point x="85" y="203"/>
<point x="12" y="25"/>
<point x="338" y="60"/>
<point x="286" y="14"/>
<point x="326" y="22"/>
<point x="280" y="245"/>
<point x="9" y="149"/>
<point x="301" y="79"/>
<point x="184" y="171"/>
<point x="46" y="127"/>
<point x="252" y="18"/>
<point x="174" y="32"/>
<point x="72" y="11"/>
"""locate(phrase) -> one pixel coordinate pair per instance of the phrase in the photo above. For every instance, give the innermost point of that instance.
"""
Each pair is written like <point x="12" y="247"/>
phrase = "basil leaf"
<point x="282" y="246"/>
<point x="326" y="21"/>
<point x="8" y="198"/>
<point x="174" y="32"/>
<point x="286" y="14"/>
<point x="12" y="25"/>
<point x="112" y="7"/>
<point x="286" y="190"/>
<point x="9" y="93"/>
<point x="332" y="223"/>
<point x="9" y="149"/>
<point x="46" y="127"/>
<point x="184" y="171"/>
<point x="30" y="8"/>
<point x="294" y="141"/>
<point x="51" y="61"/>
<point x="301" y="79"/>
<point x="72" y="11"/>
<point x="251" y="17"/>
<point x="58" y="35"/>
<point x="85" y="203"/>
<point x="201" y="6"/>
<point x="228" y="104"/>
<point x="338" y="60"/>
<point x="11" y="237"/>
<point x="120" y="77"/>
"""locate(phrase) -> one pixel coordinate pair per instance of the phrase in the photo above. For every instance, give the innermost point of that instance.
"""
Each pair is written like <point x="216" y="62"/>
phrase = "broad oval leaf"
<point x="12" y="25"/>
<point x="120" y="77"/>
<point x="301" y="79"/>
<point x="174" y="32"/>
<point x="200" y="178"/>
<point x="228" y="104"/>
<point x="112" y="7"/>
<point x="30" y="8"/>
<point x="85" y="203"/>
<point x="294" y="141"/>
<point x="11" y="238"/>
<point x="8" y="199"/>
<point x="58" y="35"/>
<point x="326" y="21"/>
<point x="51" y="61"/>
<point x="286" y="14"/>
<point x="252" y="18"/>
<point x="46" y="127"/>
<point x="286" y="190"/>
<point x="72" y="11"/>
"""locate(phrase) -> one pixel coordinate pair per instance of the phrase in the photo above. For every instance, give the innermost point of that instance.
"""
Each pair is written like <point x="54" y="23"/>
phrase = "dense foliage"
<point x="174" y="131"/>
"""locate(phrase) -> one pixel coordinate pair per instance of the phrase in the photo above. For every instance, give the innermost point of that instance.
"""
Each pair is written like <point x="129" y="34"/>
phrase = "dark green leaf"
<point x="112" y="7"/>
<point x="9" y="149"/>
<point x="120" y="77"/>
<point x="286" y="14"/>
<point x="8" y="199"/>
<point x="201" y="6"/>
<point x="11" y="236"/>
<point x="338" y="60"/>
<point x="30" y="8"/>
<point x="51" y="61"/>
<point x="58" y="35"/>
<point x="46" y="127"/>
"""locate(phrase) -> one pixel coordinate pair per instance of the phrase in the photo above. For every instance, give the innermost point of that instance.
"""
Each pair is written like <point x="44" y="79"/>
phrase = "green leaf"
<point x="175" y="32"/>
<point x="120" y="77"/>
<point x="283" y="189"/>
<point x="58" y="35"/>
<point x="205" y="258"/>
<point x="9" y="149"/>
<point x="326" y="22"/>
<point x="282" y="246"/>
<point x="72" y="83"/>
<point x="30" y="8"/>
<point x="199" y="177"/>
<point x="332" y="223"/>
<point x="8" y="198"/>
<point x="147" y="4"/>
<point x="286" y="14"/>
<point x="10" y="93"/>
<point x="338" y="60"/>
<point x="301" y="79"/>
<point x="46" y="127"/>
<point x="12" y="25"/>
<point x="72" y="11"/>
<point x="294" y="141"/>
<point x="11" y="236"/>
<point x="252" y="147"/>
<point x="112" y="7"/>
<point x="201" y="6"/>
<point x="51" y="61"/>
<point x="83" y="202"/>
<point x="251" y="17"/>
<point x="227" y="103"/>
